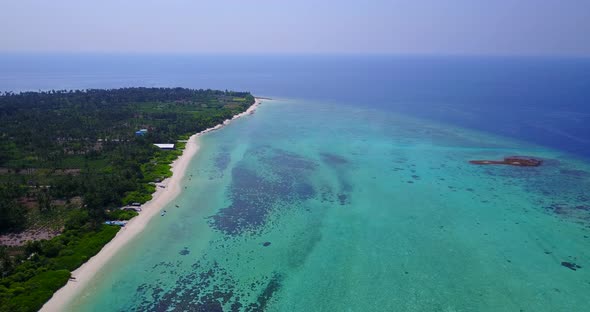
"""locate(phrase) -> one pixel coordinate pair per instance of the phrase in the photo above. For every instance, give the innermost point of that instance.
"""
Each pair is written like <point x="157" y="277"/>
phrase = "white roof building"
<point x="165" y="145"/>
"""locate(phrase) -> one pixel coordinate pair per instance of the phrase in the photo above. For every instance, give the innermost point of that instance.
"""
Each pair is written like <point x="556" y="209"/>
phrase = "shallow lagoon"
<point x="364" y="210"/>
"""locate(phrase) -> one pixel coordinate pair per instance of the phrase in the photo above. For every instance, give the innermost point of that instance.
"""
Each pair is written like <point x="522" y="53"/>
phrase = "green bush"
<point x="77" y="219"/>
<point x="121" y="214"/>
<point x="34" y="281"/>
<point x="32" y="294"/>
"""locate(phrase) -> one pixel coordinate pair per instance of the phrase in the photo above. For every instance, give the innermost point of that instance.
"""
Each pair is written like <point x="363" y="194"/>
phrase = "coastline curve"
<point x="161" y="197"/>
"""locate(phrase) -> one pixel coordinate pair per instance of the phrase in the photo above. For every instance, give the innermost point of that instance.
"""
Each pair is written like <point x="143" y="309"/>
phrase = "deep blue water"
<point x="539" y="100"/>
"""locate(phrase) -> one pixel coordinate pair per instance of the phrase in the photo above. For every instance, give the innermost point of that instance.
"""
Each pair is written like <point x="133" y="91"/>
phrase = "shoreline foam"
<point x="160" y="198"/>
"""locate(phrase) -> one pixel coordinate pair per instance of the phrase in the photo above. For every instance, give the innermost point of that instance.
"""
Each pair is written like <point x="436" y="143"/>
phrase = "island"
<point x="76" y="165"/>
<point x="520" y="161"/>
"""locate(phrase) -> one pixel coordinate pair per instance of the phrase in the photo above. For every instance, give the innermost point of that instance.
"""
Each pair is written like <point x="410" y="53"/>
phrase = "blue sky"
<point x="516" y="27"/>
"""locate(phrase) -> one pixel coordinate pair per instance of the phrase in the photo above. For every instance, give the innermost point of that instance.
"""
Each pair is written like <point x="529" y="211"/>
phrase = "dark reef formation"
<point x="207" y="289"/>
<point x="280" y="181"/>
<point x="571" y="266"/>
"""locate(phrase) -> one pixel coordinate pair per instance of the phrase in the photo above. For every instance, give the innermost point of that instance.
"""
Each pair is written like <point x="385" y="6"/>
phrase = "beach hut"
<point x="131" y="208"/>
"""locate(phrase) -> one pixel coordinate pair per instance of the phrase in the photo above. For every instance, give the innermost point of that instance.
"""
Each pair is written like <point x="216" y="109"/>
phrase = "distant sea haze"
<point x="538" y="100"/>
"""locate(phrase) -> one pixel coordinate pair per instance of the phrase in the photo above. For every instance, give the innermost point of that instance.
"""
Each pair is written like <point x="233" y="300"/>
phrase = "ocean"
<point x="351" y="190"/>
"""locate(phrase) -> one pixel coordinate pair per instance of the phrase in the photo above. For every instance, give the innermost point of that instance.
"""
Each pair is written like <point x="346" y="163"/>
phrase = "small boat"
<point x="163" y="213"/>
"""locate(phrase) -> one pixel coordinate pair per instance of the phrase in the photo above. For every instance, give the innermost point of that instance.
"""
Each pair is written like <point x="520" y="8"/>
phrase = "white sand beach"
<point x="84" y="274"/>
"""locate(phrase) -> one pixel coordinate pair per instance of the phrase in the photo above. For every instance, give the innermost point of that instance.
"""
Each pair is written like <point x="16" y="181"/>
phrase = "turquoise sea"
<point x="352" y="191"/>
<point x="360" y="210"/>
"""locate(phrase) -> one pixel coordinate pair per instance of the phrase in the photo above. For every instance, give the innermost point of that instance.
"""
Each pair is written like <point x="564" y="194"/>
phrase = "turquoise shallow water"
<point x="309" y="206"/>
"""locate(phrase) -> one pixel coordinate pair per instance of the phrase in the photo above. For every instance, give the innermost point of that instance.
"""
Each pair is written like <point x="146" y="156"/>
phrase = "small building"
<point x="141" y="132"/>
<point x="131" y="208"/>
<point x="165" y="146"/>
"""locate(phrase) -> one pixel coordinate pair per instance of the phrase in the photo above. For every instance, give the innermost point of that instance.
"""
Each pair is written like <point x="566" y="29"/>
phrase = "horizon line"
<point x="303" y="53"/>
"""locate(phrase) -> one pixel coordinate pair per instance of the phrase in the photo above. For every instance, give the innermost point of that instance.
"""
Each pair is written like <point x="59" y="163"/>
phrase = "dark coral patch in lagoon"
<point x="266" y="180"/>
<point x="578" y="213"/>
<point x="575" y="173"/>
<point x="273" y="286"/>
<point x="343" y="199"/>
<point x="333" y="159"/>
<point x="209" y="288"/>
<point x="222" y="160"/>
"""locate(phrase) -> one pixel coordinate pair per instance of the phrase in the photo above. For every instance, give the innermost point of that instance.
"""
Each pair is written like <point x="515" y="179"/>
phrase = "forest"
<point x="70" y="158"/>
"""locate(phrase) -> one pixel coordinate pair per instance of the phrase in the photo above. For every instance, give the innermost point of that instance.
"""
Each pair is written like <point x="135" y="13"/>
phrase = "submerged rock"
<point x="266" y="244"/>
<point x="571" y="265"/>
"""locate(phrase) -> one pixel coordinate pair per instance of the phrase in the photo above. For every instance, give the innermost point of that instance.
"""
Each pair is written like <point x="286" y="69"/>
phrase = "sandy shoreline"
<point x="161" y="197"/>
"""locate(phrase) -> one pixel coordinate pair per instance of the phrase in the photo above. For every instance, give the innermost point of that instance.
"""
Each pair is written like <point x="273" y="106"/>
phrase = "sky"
<point x="472" y="27"/>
